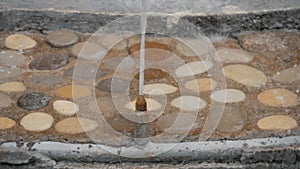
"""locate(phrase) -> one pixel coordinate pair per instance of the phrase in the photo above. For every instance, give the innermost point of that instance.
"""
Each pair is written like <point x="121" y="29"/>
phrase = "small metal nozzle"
<point x="141" y="104"/>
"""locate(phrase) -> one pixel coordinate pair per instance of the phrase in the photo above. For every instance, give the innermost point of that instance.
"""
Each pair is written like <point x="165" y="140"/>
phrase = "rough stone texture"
<point x="5" y="100"/>
<point x="119" y="85"/>
<point x="33" y="101"/>
<point x="45" y="80"/>
<point x="12" y="58"/>
<point x="7" y="73"/>
<point x="233" y="120"/>
<point x="85" y="71"/>
<point x="289" y="75"/>
<point x="49" y="62"/>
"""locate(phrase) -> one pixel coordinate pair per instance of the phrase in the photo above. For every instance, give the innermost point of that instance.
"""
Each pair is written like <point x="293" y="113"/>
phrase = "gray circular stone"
<point x="12" y="58"/>
<point x="5" y="101"/>
<point x="7" y="73"/>
<point x="45" y="80"/>
<point x="49" y="62"/>
<point x="233" y="120"/>
<point x="33" y="101"/>
<point x="85" y="71"/>
<point x="62" y="38"/>
<point x="119" y="85"/>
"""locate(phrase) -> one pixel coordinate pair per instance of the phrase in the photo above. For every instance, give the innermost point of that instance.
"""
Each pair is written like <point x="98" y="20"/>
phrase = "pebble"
<point x="233" y="120"/>
<point x="245" y="75"/>
<point x="5" y="101"/>
<point x="33" y="101"/>
<point x="85" y="71"/>
<point x="126" y="64"/>
<point x="72" y="91"/>
<point x="277" y="122"/>
<point x="112" y="41"/>
<point x="65" y="107"/>
<point x="49" y="62"/>
<point x="289" y="75"/>
<point x="12" y="87"/>
<point x="119" y="85"/>
<point x="201" y="85"/>
<point x="193" y="68"/>
<point x="160" y="53"/>
<point x="7" y="73"/>
<point x="19" y="42"/>
<point x="105" y="105"/>
<point x="88" y="51"/>
<point x="153" y="74"/>
<point x="37" y="121"/>
<point x="75" y="125"/>
<point x="228" y="55"/>
<point x="200" y="47"/>
<point x="12" y="58"/>
<point x="45" y="80"/>
<point x="278" y="98"/>
<point x="189" y="103"/>
<point x="228" y="96"/>
<point x="6" y="123"/>
<point x="62" y="38"/>
<point x="152" y="105"/>
<point x="159" y="89"/>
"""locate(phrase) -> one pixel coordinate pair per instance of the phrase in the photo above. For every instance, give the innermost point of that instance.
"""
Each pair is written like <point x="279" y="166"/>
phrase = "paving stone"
<point x="228" y="96"/>
<point x="33" y="101"/>
<point x="37" y="121"/>
<point x="200" y="47"/>
<point x="277" y="122"/>
<point x="126" y="64"/>
<point x="12" y="58"/>
<point x="119" y="85"/>
<point x="65" y="107"/>
<point x="75" y="125"/>
<point x="289" y="75"/>
<point x="161" y="52"/>
<point x="201" y="84"/>
<point x="152" y="105"/>
<point x="49" y="62"/>
<point x="88" y="51"/>
<point x="189" y="103"/>
<point x="62" y="38"/>
<point x="159" y="89"/>
<point x="278" y="98"/>
<point x="152" y="74"/>
<point x="233" y="120"/>
<point x="72" y="91"/>
<point x="6" y="123"/>
<point x="19" y="42"/>
<point x="193" y="68"/>
<point x="45" y="80"/>
<point x="113" y="41"/>
<point x="85" y="71"/>
<point x="245" y="75"/>
<point x="5" y="101"/>
<point x="228" y="55"/>
<point x="105" y="105"/>
<point x="12" y="87"/>
<point x="7" y="73"/>
<point x="15" y="157"/>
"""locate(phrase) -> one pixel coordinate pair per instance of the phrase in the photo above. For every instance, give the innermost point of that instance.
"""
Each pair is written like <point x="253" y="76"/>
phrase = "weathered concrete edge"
<point x="271" y="150"/>
<point x="28" y="19"/>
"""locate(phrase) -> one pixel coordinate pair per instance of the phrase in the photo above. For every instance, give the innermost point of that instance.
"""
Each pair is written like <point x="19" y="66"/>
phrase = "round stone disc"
<point x="233" y="120"/>
<point x="159" y="89"/>
<point x="199" y="46"/>
<point x="5" y="100"/>
<point x="193" y="68"/>
<point x="65" y="107"/>
<point x="73" y="91"/>
<point x="37" y="121"/>
<point x="228" y="55"/>
<point x="228" y="96"/>
<point x="277" y="122"/>
<point x="62" y="38"/>
<point x="278" y="98"/>
<point x="289" y="75"/>
<point x="33" y="101"/>
<point x="49" y="62"/>
<point x="188" y="103"/>
<point x="45" y="80"/>
<point x="12" y="87"/>
<point x="201" y="85"/>
<point x="19" y="42"/>
<point x="12" y="58"/>
<point x="7" y="73"/>
<point x="6" y="123"/>
<point x="75" y="125"/>
<point x="119" y="85"/>
<point x="88" y="50"/>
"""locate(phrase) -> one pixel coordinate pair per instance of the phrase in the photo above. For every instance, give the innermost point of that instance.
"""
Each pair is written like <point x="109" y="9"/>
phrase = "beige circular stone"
<point x="228" y="96"/>
<point x="159" y="89"/>
<point x="193" y="68"/>
<point x="73" y="91"/>
<point x="228" y="55"/>
<point x="88" y="50"/>
<point x="62" y="38"/>
<point x="12" y="87"/>
<point x="5" y="100"/>
<point x="188" y="103"/>
<point x="288" y="75"/>
<point x="65" y="107"/>
<point x="6" y="123"/>
<point x="245" y="75"/>
<point x="278" y="98"/>
<point x="113" y="41"/>
<point x="37" y="121"/>
<point x="200" y="47"/>
<point x="19" y="42"/>
<point x="75" y="125"/>
<point x="201" y="85"/>
<point x="152" y="105"/>
<point x="277" y="122"/>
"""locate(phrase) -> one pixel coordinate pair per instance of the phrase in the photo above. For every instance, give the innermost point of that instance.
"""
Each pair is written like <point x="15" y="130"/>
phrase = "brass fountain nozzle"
<point x="141" y="104"/>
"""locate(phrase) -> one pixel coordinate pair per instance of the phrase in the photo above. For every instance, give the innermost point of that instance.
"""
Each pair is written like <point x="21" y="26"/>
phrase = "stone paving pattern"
<point x="261" y="70"/>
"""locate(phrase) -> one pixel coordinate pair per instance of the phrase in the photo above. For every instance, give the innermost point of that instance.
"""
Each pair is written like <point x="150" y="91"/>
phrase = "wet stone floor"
<point x="262" y="72"/>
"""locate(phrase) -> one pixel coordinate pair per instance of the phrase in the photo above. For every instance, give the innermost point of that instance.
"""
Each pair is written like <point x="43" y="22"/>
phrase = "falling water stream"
<point x="142" y="49"/>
